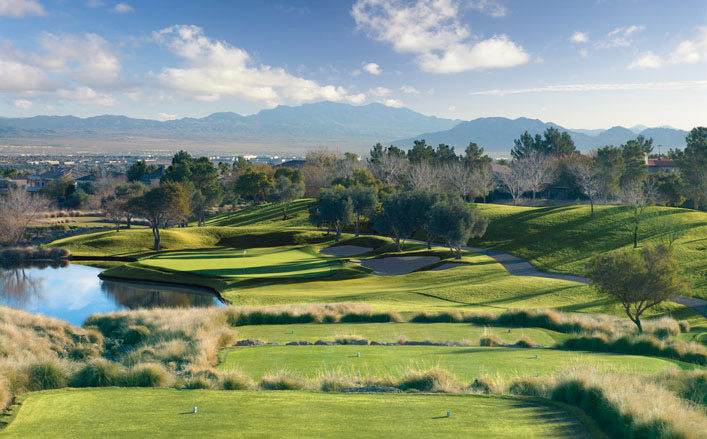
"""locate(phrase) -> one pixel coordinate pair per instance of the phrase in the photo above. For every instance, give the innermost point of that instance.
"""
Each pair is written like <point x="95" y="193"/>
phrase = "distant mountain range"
<point x="294" y="129"/>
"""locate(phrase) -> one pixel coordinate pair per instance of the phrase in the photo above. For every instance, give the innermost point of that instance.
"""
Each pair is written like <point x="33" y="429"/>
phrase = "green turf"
<point x="278" y="262"/>
<point x="166" y="413"/>
<point x="266" y="214"/>
<point x="392" y="332"/>
<point x="467" y="363"/>
<point x="563" y="239"/>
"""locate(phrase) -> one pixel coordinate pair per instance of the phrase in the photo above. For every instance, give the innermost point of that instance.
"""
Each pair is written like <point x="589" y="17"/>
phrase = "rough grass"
<point x="266" y="214"/>
<point x="563" y="239"/>
<point x="165" y="413"/>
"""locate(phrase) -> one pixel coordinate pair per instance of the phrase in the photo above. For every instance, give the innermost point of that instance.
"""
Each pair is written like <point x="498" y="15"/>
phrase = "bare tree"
<point x="423" y="176"/>
<point x="587" y="175"/>
<point x="390" y="169"/>
<point x="536" y="171"/>
<point x="515" y="180"/>
<point x="18" y="209"/>
<point x="462" y="179"/>
<point x="638" y="194"/>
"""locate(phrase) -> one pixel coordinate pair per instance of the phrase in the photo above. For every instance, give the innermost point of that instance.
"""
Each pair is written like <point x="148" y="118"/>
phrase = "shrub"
<point x="99" y="373"/>
<point x="82" y="352"/>
<point x="444" y="317"/>
<point x="524" y="342"/>
<point x="45" y="375"/>
<point x="283" y="381"/>
<point x="147" y="375"/>
<point x="386" y="317"/>
<point x="5" y="393"/>
<point x="489" y="340"/>
<point x="197" y="382"/>
<point x="134" y="334"/>
<point x="485" y="385"/>
<point x="432" y="380"/>
<point x="528" y="386"/>
<point x="336" y="383"/>
<point x="235" y="381"/>
<point x="684" y="326"/>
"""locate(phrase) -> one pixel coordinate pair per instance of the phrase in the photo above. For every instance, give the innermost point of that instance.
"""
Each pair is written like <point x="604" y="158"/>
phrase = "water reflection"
<point x="73" y="292"/>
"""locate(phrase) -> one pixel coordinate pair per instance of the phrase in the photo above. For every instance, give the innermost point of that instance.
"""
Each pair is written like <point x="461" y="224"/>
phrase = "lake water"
<point x="74" y="292"/>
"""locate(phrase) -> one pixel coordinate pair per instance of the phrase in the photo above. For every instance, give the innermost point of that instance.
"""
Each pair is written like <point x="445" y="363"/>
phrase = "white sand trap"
<point x="345" y="250"/>
<point x="446" y="266"/>
<point x="398" y="265"/>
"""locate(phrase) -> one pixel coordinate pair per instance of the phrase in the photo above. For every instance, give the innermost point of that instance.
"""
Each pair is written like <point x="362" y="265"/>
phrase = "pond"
<point x="74" y="292"/>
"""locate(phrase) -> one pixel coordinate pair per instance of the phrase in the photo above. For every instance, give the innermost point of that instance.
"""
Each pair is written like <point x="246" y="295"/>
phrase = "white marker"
<point x="194" y="409"/>
<point x="358" y="354"/>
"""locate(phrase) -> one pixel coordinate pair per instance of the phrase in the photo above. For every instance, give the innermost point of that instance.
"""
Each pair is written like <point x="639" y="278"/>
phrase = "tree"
<point x="423" y="176"/>
<point x="638" y="194"/>
<point x="445" y="154"/>
<point x="124" y="193"/>
<point x="610" y="167"/>
<point x="421" y="152"/>
<point x="468" y="182"/>
<point x="333" y="209"/>
<point x="139" y="169"/>
<point x="536" y="172"/>
<point x="421" y="203"/>
<point x="553" y="143"/>
<point x="515" y="180"/>
<point x="114" y="210"/>
<point x="693" y="166"/>
<point x="638" y="283"/>
<point x="253" y="185"/>
<point x="18" y="209"/>
<point x="168" y="202"/>
<point x="480" y="166"/>
<point x="587" y="175"/>
<point x="364" y="200"/>
<point x="525" y="145"/>
<point x="635" y="168"/>
<point x="456" y="222"/>
<point x="283" y="191"/>
<point x="669" y="188"/>
<point x="390" y="168"/>
<point x="397" y="218"/>
<point x="200" y="176"/>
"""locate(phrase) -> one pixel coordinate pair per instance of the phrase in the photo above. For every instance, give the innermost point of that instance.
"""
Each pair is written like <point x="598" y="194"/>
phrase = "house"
<point x="38" y="181"/>
<point x="661" y="164"/>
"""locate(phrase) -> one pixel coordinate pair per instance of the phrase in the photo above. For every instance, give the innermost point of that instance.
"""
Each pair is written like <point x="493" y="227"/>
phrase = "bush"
<point x="432" y="380"/>
<point x="147" y="375"/>
<point x="528" y="386"/>
<point x="235" y="381"/>
<point x="524" y="342"/>
<point x="444" y="317"/>
<point x="336" y="383"/>
<point x="99" y="373"/>
<point x="489" y="340"/>
<point x="197" y="382"/>
<point x="283" y="381"/>
<point x="485" y="385"/>
<point x="82" y="352"/>
<point x="134" y="334"/>
<point x="45" y="375"/>
<point x="684" y="326"/>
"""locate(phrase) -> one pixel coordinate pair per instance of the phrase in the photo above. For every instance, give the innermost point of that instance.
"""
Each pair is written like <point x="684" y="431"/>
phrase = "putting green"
<point x="279" y="262"/>
<point x="167" y="413"/>
<point x="467" y="363"/>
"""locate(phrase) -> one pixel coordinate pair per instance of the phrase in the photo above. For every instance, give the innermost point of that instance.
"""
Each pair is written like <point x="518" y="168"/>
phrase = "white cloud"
<point x="122" y="8"/>
<point x="392" y="103"/>
<point x="215" y="69"/>
<point x="452" y="108"/>
<point x="646" y="60"/>
<point x="492" y="8"/>
<point x="167" y="116"/>
<point x="620" y="37"/>
<point x="687" y="52"/>
<point x="23" y="104"/>
<point x="410" y="90"/>
<point x="691" y="51"/>
<point x="20" y="8"/>
<point x="676" y="85"/>
<point x="86" y="59"/>
<point x="88" y="95"/>
<point x="432" y="31"/>
<point x="579" y="37"/>
<point x="16" y="76"/>
<point x="372" y="68"/>
<point x="584" y="53"/>
<point x="379" y="91"/>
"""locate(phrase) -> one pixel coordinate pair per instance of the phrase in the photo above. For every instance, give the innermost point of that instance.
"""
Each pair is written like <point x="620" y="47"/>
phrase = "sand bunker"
<point x="446" y="266"/>
<point x="398" y="265"/>
<point x="345" y="250"/>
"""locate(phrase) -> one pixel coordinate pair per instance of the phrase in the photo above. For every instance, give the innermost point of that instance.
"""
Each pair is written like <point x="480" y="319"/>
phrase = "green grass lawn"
<point x="166" y="413"/>
<point x="467" y="363"/>
<point x="563" y="239"/>
<point x="266" y="214"/>
<point x="277" y="262"/>
<point x="392" y="332"/>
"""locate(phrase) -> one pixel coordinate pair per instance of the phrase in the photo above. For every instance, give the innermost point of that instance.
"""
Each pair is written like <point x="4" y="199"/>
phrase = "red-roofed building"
<point x="661" y="164"/>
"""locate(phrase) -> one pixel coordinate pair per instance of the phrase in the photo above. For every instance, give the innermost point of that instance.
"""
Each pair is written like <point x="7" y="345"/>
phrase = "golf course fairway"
<point x="168" y="413"/>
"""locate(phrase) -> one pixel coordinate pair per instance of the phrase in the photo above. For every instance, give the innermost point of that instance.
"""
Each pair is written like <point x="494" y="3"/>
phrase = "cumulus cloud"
<point x="620" y="37"/>
<point x="20" y="8"/>
<point x="431" y="30"/>
<point x="16" y="76"/>
<point x="687" y="52"/>
<point x="379" y="91"/>
<point x="88" y="95"/>
<point x="395" y="103"/>
<point x="675" y="85"/>
<point x="579" y="37"/>
<point x="23" y="104"/>
<point x="372" y="68"/>
<point x="122" y="8"/>
<point x="410" y="90"/>
<point x="214" y="69"/>
<point x="492" y="8"/>
<point x="167" y="116"/>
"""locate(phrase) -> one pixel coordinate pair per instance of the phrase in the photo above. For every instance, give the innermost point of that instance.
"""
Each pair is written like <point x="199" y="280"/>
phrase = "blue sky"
<point x="582" y="64"/>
